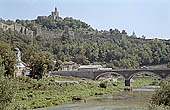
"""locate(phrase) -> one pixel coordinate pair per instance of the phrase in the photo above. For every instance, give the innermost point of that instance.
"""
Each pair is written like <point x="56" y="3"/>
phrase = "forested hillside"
<point x="77" y="41"/>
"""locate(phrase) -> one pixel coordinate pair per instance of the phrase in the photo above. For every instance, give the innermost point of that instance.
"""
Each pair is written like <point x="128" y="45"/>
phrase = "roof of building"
<point x="105" y="69"/>
<point x="16" y="49"/>
<point x="69" y="63"/>
<point x="90" y="66"/>
<point x="21" y="64"/>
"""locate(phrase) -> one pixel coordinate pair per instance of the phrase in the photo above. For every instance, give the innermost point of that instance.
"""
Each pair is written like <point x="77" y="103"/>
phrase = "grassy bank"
<point x="47" y="92"/>
<point x="52" y="91"/>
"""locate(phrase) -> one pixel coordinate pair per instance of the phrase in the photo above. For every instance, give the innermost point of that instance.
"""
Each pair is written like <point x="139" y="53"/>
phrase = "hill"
<point x="70" y="39"/>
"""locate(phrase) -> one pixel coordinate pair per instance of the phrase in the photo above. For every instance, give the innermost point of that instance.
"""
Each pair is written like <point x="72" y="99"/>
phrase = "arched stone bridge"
<point x="129" y="73"/>
<point x="126" y="73"/>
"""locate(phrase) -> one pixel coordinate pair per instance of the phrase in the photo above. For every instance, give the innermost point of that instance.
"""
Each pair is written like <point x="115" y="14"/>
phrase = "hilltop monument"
<point x="55" y="14"/>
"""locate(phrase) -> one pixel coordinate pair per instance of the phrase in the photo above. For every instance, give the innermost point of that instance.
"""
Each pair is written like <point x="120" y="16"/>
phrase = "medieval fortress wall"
<point x="22" y="29"/>
<point x="16" y="27"/>
<point x="39" y="31"/>
<point x="45" y="33"/>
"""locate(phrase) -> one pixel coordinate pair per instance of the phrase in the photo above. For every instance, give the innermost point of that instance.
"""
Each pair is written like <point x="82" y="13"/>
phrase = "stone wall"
<point x="46" y="33"/>
<point x="1" y="25"/>
<point x="16" y="27"/>
<point x="79" y="74"/>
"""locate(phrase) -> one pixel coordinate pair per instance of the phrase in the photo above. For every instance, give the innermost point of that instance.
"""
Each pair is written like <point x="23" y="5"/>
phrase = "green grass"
<point x="142" y="82"/>
<point x="46" y="92"/>
<point x="157" y="66"/>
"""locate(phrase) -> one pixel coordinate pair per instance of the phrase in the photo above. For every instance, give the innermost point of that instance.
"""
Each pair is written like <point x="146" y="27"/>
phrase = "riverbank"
<point x="58" y="90"/>
<point x="134" y="100"/>
<point x="119" y="101"/>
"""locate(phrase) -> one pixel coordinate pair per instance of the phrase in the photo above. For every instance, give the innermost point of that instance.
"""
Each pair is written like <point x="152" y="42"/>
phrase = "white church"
<point x="21" y="68"/>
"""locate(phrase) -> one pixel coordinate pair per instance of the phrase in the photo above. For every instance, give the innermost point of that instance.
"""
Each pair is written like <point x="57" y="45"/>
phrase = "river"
<point x="137" y="99"/>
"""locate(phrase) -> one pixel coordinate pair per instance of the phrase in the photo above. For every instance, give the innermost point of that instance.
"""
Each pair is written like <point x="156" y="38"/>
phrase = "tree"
<point x="9" y="58"/>
<point x="7" y="88"/>
<point x="143" y="37"/>
<point x="7" y="92"/>
<point x="111" y="65"/>
<point x="59" y="65"/>
<point x="41" y="63"/>
<point x="124" y="32"/>
<point x="80" y="59"/>
<point x="168" y="65"/>
<point x="115" y="31"/>
<point x="161" y="96"/>
<point x="133" y="35"/>
<point x="9" y="22"/>
<point x="2" y="68"/>
<point x="29" y="53"/>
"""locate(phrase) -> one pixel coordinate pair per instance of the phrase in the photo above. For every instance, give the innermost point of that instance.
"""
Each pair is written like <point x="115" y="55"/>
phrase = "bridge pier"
<point x="127" y="82"/>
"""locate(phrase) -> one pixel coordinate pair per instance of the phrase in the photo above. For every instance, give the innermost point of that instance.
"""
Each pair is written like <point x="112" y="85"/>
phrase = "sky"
<point x="145" y="17"/>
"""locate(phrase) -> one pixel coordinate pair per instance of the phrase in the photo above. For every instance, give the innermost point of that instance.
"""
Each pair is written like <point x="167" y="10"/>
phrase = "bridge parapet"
<point x="126" y="73"/>
<point x="129" y="73"/>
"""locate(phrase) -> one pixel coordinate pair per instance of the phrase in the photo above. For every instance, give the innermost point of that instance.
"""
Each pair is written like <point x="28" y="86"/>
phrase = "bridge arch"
<point x="128" y="81"/>
<point x="105" y="73"/>
<point x="141" y="72"/>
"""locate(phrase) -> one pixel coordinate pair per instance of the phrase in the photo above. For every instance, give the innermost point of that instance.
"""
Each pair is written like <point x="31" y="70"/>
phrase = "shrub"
<point x="19" y="107"/>
<point x="168" y="65"/>
<point x="103" y="84"/>
<point x="161" y="107"/>
<point x="162" y="95"/>
<point x="7" y="92"/>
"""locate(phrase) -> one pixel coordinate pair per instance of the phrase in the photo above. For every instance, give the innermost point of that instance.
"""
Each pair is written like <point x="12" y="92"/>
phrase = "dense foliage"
<point x="7" y="88"/>
<point x="77" y="41"/>
<point x="40" y="62"/>
<point x="162" y="96"/>
<point x="8" y="58"/>
<point x="45" y="92"/>
<point x="114" y="53"/>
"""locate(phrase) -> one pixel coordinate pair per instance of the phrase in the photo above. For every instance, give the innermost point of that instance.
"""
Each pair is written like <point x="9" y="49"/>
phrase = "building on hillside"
<point x="21" y="68"/>
<point x="70" y="66"/>
<point x="105" y="69"/>
<point x="92" y="68"/>
<point x="89" y="67"/>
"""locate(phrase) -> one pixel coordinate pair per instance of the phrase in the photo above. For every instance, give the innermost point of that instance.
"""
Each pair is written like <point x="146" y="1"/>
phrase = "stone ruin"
<point x="16" y="27"/>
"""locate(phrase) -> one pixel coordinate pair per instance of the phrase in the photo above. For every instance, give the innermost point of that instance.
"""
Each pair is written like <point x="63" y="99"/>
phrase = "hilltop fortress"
<point x="22" y="29"/>
<point x="39" y="30"/>
<point x="55" y="14"/>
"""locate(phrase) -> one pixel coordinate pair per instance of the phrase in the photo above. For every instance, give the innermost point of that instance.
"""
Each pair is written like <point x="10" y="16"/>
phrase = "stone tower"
<point x="55" y="14"/>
